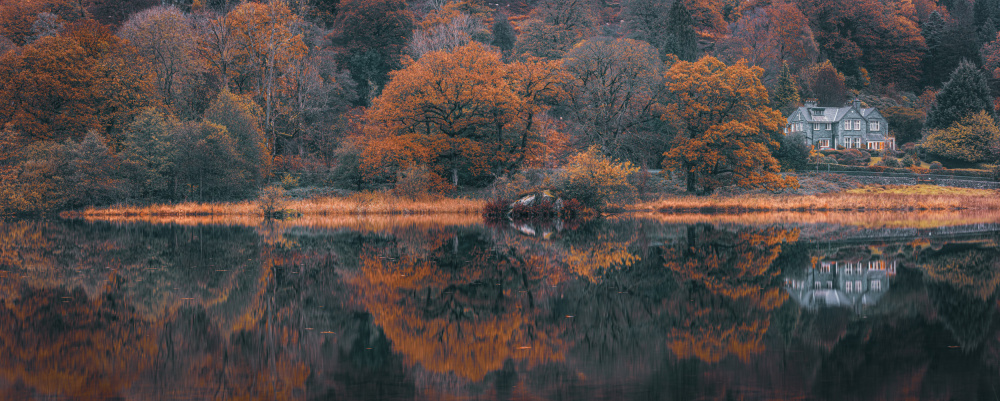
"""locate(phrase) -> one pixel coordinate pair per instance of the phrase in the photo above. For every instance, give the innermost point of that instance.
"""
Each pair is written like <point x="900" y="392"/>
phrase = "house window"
<point x="848" y="286"/>
<point x="857" y="286"/>
<point x="876" y="145"/>
<point x="873" y="126"/>
<point x="816" y="126"/>
<point x="853" y="142"/>
<point x="847" y="125"/>
<point x="857" y="125"/>
<point x="824" y="143"/>
<point x="876" y="285"/>
<point x="829" y="126"/>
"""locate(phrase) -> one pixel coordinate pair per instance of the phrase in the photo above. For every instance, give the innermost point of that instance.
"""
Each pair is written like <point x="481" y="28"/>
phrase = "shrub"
<point x="289" y="181"/>
<point x="418" y="182"/>
<point x="572" y="208"/>
<point x="936" y="165"/>
<point x="890" y="162"/>
<point x="594" y="180"/>
<point x="494" y="210"/>
<point x="909" y="148"/>
<point x="907" y="161"/>
<point x="271" y="201"/>
<point x="854" y="157"/>
<point x="996" y="173"/>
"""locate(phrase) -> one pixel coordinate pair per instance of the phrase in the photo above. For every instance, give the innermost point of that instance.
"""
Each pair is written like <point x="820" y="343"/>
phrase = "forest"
<point x="136" y="102"/>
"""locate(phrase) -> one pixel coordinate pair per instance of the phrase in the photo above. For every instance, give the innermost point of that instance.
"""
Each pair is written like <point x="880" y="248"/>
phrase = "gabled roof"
<point x="830" y="114"/>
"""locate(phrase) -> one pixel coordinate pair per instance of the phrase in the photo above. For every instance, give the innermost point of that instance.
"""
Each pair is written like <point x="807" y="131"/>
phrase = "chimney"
<point x="810" y="102"/>
<point x="856" y="103"/>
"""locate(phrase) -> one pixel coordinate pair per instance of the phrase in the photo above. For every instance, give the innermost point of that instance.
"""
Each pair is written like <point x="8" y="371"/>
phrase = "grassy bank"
<point x="364" y="203"/>
<point x="867" y="199"/>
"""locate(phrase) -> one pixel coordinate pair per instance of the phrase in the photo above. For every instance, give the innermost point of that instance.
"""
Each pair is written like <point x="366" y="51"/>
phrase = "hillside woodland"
<point x="116" y="101"/>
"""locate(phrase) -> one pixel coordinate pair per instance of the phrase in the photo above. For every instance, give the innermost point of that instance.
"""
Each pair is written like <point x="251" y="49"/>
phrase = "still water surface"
<point x="453" y="309"/>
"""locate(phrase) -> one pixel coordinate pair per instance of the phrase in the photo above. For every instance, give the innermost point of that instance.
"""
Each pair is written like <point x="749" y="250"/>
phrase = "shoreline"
<point x="862" y="200"/>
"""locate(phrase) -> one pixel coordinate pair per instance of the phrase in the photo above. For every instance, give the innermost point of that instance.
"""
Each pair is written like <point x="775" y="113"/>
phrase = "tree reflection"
<point x="464" y="312"/>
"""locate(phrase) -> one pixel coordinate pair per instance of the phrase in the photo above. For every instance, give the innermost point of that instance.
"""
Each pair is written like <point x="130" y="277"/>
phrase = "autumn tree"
<point x="446" y="29"/>
<point x="613" y="94"/>
<point x="724" y="127"/>
<point x="263" y="41"/>
<point x="62" y="86"/>
<point x="372" y="35"/>
<point x="164" y="36"/>
<point x="18" y="17"/>
<point x="968" y="140"/>
<point x="553" y="27"/>
<point x="966" y="92"/>
<point x="770" y="37"/>
<point x="867" y="34"/>
<point x="823" y="82"/>
<point x="242" y="120"/>
<point x="462" y="111"/>
<point x="786" y="92"/>
<point x="49" y="90"/>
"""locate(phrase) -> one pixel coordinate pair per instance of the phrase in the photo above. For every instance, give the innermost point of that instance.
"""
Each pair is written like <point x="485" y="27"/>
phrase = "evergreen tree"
<point x="504" y="36"/>
<point x="965" y="93"/>
<point x="147" y="154"/>
<point x="681" y="40"/>
<point x="786" y="92"/>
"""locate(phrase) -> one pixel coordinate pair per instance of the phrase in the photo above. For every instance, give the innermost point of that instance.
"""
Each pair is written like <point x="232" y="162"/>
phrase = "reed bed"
<point x="357" y="204"/>
<point x="378" y="223"/>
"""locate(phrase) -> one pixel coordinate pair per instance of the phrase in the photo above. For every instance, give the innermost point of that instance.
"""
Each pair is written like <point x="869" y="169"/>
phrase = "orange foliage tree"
<point x="463" y="111"/>
<point x="724" y="127"/>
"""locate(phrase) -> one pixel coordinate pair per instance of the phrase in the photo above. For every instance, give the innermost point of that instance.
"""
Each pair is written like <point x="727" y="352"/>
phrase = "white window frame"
<point x="876" y="285"/>
<point x="873" y="126"/>
<point x="829" y="126"/>
<point x="817" y="126"/>
<point x="857" y="125"/>
<point x="824" y="143"/>
<point x="847" y="286"/>
<point x="847" y="125"/>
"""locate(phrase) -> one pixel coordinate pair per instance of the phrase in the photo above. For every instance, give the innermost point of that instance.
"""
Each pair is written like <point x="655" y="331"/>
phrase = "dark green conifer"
<point x="965" y="93"/>
<point x="503" y="33"/>
<point x="681" y="39"/>
<point x="786" y="93"/>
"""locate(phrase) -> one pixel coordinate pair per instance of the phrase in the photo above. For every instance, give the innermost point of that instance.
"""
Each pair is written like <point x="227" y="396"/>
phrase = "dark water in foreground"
<point x="604" y="310"/>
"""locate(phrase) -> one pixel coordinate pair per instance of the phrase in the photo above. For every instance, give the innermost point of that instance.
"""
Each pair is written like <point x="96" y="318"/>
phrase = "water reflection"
<point x="606" y="309"/>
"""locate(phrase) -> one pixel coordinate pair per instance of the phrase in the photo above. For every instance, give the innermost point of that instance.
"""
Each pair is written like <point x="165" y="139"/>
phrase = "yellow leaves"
<point x="725" y="126"/>
<point x="974" y="139"/>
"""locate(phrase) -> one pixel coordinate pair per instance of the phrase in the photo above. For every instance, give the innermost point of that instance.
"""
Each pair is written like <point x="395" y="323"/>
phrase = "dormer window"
<point x="817" y="112"/>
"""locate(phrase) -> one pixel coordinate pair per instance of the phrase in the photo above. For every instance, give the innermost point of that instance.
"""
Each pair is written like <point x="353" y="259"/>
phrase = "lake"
<point x="447" y="307"/>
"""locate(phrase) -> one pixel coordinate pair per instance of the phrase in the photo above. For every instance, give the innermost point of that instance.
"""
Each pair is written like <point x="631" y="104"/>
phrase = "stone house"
<point x="851" y="126"/>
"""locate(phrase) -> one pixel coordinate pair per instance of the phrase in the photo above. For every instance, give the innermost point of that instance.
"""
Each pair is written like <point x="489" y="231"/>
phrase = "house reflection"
<point x="841" y="283"/>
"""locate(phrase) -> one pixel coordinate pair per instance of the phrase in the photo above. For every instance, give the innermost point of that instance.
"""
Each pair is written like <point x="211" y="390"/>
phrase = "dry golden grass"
<point x="877" y="198"/>
<point x="364" y="203"/>
<point x="873" y="219"/>
<point x="361" y="223"/>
